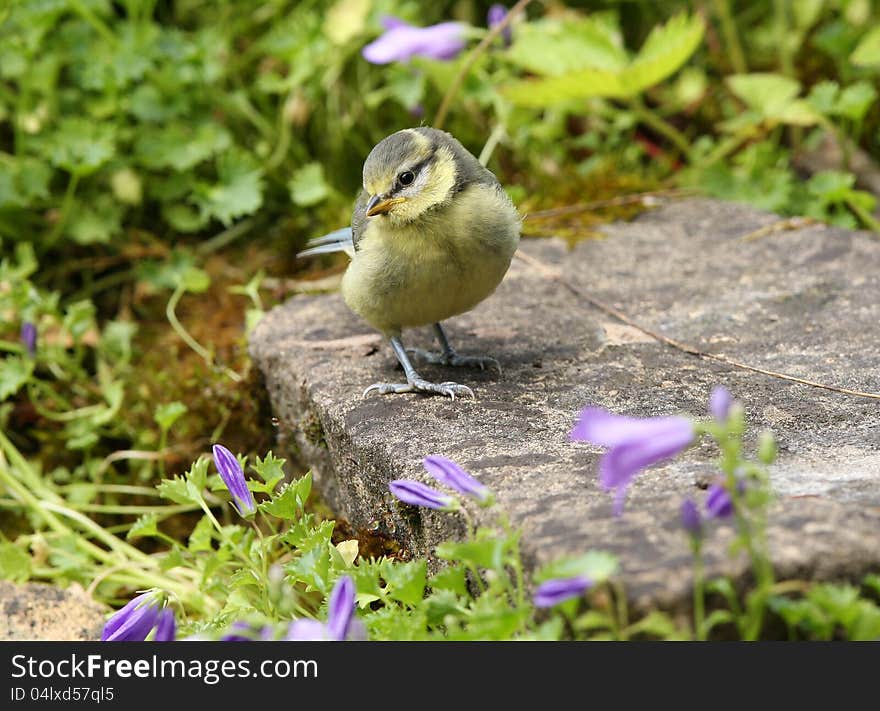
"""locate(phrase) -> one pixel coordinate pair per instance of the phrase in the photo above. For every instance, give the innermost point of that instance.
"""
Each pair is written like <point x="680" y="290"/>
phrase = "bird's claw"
<point x="455" y="360"/>
<point x="419" y="385"/>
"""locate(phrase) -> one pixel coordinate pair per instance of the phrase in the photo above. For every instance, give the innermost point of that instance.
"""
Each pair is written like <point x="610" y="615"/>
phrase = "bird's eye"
<point x="406" y="178"/>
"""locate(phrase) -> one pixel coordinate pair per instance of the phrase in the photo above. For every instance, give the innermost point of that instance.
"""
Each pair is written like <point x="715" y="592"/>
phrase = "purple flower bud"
<point x="635" y="444"/>
<point x="496" y="15"/>
<point x="341" y="608"/>
<point x="341" y="622"/>
<point x="135" y="621"/>
<point x="402" y="41"/>
<point x="718" y="502"/>
<point x="165" y="627"/>
<point x="720" y="402"/>
<point x="690" y="518"/>
<point x="553" y="592"/>
<point x="417" y="494"/>
<point x="232" y="475"/>
<point x="29" y="337"/>
<point x="449" y="473"/>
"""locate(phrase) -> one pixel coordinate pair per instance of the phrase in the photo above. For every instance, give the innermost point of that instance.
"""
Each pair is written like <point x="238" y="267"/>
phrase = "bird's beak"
<point x="379" y="205"/>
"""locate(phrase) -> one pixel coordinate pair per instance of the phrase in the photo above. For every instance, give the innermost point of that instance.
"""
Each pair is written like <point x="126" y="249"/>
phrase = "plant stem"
<point x="188" y="339"/>
<point x="780" y="11"/>
<point x="731" y="37"/>
<point x="662" y="126"/>
<point x="472" y="58"/>
<point x="699" y="593"/>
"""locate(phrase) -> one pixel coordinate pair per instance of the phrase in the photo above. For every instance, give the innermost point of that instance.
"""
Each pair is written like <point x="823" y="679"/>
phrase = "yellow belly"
<point x="437" y="268"/>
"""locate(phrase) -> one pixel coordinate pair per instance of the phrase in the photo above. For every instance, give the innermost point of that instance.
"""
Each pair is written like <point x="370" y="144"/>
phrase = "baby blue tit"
<point x="432" y="235"/>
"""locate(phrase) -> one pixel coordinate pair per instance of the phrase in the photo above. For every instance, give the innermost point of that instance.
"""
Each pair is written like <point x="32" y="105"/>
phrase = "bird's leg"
<point x="448" y="356"/>
<point x="414" y="382"/>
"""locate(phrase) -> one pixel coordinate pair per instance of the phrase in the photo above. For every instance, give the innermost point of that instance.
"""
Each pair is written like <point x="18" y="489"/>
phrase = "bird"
<point x="432" y="235"/>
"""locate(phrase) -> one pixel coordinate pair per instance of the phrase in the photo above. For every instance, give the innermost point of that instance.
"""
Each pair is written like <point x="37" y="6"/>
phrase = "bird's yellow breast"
<point x="441" y="265"/>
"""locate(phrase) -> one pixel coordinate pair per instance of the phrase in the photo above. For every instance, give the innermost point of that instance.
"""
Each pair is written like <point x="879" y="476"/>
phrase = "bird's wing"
<point x="359" y="218"/>
<point x="338" y="241"/>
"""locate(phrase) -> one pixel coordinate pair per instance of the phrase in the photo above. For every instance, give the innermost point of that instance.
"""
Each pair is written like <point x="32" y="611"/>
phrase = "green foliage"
<point x="589" y="60"/>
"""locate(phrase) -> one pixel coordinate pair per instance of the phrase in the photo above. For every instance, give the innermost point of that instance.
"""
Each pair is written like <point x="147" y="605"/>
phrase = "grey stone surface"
<point x="34" y="611"/>
<point x="803" y="302"/>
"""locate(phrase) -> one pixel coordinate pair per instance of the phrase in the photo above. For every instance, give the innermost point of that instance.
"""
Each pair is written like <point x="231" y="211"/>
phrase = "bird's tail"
<point x="338" y="241"/>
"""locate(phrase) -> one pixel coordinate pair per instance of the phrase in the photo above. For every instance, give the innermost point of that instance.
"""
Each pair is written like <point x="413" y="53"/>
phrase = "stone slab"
<point x="36" y="612"/>
<point x="803" y="302"/>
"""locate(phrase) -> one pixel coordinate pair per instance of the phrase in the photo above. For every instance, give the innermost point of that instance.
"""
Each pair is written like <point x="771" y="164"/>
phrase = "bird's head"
<point x="407" y="174"/>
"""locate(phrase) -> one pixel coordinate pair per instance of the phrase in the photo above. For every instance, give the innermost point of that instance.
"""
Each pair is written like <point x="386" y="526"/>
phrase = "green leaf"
<point x="765" y="93"/>
<point x="15" y="564"/>
<point x="200" y="538"/>
<point x="168" y="413"/>
<point x="145" y="526"/>
<point x="311" y="568"/>
<point x="172" y="559"/>
<point x="486" y="550"/>
<point x="592" y="620"/>
<point x="405" y="582"/>
<point x="553" y="47"/>
<point x="238" y="192"/>
<point x="96" y="222"/>
<point x="597" y="566"/>
<point x="176" y="490"/>
<point x="656" y="624"/>
<point x="440" y="604"/>
<point x="286" y="505"/>
<point x="665" y="51"/>
<point x="308" y="186"/>
<point x="451" y="578"/>
<point x="187" y="489"/>
<point x="195" y="280"/>
<point x="180" y="146"/>
<point x="271" y="471"/>
<point x="15" y="371"/>
<point x="867" y="53"/>
<point x="856" y="99"/>
<point x="80" y="146"/>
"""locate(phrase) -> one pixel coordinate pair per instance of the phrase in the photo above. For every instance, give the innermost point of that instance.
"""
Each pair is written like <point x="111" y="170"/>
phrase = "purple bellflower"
<point x="718" y="502"/>
<point x="402" y="41"/>
<point x="166" y="627"/>
<point x="691" y="520"/>
<point x="553" y="592"/>
<point x="29" y="337"/>
<point x="417" y="494"/>
<point x="135" y="621"/>
<point x="720" y="402"/>
<point x="496" y="16"/>
<point x="635" y="443"/>
<point x="232" y="475"/>
<point x="341" y="622"/>
<point x="450" y="474"/>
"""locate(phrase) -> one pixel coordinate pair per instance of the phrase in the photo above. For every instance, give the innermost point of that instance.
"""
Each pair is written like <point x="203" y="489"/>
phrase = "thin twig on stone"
<point x="554" y="274"/>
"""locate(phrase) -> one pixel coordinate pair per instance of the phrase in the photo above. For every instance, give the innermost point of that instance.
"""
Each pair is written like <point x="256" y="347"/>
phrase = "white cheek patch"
<point x="417" y="185"/>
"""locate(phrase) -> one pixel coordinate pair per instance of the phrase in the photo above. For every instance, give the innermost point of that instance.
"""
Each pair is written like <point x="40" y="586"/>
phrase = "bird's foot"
<point x="454" y="359"/>
<point x="418" y="385"/>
